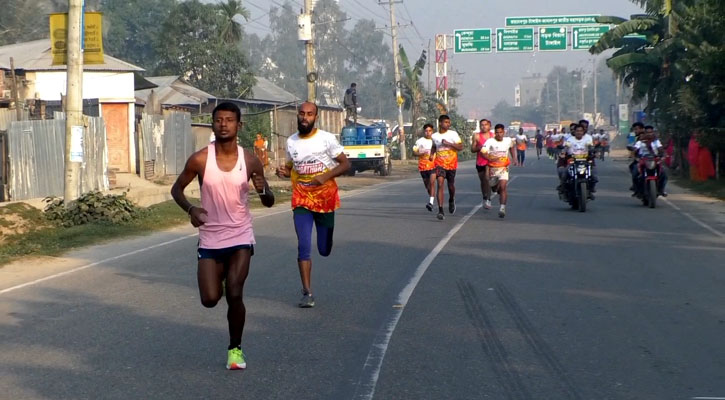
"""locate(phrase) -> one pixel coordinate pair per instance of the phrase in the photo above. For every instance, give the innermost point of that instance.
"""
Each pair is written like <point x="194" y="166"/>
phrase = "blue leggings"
<point x="325" y="224"/>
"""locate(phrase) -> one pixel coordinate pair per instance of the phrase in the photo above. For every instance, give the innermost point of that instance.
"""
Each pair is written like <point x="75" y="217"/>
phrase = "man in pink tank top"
<point x="479" y="139"/>
<point x="226" y="239"/>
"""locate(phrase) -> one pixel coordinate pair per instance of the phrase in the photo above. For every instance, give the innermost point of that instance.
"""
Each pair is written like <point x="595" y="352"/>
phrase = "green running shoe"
<point x="235" y="359"/>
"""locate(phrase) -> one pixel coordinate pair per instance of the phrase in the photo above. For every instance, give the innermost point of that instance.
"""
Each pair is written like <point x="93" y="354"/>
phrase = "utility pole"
<point x="16" y="91"/>
<point x="428" y="62"/>
<point x="581" y="75"/>
<point x="310" y="52"/>
<point x="74" y="102"/>
<point x="596" y="102"/>
<point x="558" y="100"/>
<point x="398" y="95"/>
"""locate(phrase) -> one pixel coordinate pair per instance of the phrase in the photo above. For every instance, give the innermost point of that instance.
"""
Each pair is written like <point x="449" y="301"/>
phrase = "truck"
<point x="367" y="149"/>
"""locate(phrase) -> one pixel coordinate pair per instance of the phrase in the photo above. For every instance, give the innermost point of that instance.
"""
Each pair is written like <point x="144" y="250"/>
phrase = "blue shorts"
<point x="222" y="254"/>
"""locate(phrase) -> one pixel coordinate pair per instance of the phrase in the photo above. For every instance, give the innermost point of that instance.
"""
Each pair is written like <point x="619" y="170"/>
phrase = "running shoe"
<point x="307" y="300"/>
<point x="451" y="206"/>
<point x="501" y="213"/>
<point x="487" y="204"/>
<point x="429" y="207"/>
<point x="440" y="215"/>
<point x="235" y="359"/>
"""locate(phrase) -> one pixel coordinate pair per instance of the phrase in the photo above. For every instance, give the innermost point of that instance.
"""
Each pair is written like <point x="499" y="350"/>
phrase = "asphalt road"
<point x="620" y="302"/>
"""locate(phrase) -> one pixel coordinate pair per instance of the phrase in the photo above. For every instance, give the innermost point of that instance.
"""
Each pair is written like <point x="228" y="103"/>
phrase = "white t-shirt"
<point x="423" y="146"/>
<point x="315" y="154"/>
<point x="578" y="147"/>
<point x="641" y="147"/>
<point x="521" y="139"/>
<point x="450" y="135"/>
<point x="498" y="151"/>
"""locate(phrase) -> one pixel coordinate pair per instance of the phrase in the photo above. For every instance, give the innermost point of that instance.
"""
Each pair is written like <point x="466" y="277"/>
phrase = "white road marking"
<point x="708" y="398"/>
<point x="374" y="361"/>
<point x="697" y="221"/>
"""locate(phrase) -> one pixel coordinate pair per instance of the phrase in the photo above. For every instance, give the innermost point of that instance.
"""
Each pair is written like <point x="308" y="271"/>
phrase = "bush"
<point x="92" y="207"/>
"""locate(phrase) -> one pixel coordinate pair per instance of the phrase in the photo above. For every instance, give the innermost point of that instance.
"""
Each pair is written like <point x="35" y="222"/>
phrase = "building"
<point x="108" y="91"/>
<point x="528" y="91"/>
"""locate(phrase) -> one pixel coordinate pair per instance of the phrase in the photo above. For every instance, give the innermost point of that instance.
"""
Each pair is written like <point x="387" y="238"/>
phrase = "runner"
<point x="226" y="238"/>
<point x="423" y="148"/>
<point x="521" y="143"/>
<point x="479" y="139"/>
<point x="499" y="151"/>
<point x="447" y="144"/>
<point x="539" y="138"/>
<point x="550" y="144"/>
<point x="314" y="159"/>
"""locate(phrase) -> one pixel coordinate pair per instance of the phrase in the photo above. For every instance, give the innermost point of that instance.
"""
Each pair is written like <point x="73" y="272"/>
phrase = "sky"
<point x="482" y="79"/>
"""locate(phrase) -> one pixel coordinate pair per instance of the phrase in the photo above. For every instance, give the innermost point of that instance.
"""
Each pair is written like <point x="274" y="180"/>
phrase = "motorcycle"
<point x="576" y="187"/>
<point x="650" y="171"/>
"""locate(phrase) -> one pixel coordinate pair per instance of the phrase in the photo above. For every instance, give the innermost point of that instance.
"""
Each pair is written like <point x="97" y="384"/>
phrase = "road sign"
<point x="552" y="38"/>
<point x="584" y="37"/>
<point x="515" y="39"/>
<point x="472" y="41"/>
<point x="552" y="20"/>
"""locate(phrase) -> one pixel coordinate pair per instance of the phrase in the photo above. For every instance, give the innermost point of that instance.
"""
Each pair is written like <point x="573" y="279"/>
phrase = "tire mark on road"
<point x="506" y="375"/>
<point x="541" y="348"/>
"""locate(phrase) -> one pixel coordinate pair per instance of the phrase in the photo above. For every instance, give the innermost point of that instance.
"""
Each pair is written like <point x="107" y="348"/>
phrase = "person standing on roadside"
<point x="424" y="149"/>
<point x="482" y="169"/>
<point x="314" y="159"/>
<point x="447" y="143"/>
<point x="226" y="238"/>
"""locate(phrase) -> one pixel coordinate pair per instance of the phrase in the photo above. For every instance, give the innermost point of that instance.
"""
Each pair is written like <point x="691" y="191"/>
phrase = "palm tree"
<point x="413" y="89"/>
<point x="231" y="30"/>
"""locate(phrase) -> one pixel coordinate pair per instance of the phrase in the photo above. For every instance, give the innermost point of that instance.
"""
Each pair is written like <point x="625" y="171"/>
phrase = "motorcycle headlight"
<point x="580" y="169"/>
<point x="650" y="164"/>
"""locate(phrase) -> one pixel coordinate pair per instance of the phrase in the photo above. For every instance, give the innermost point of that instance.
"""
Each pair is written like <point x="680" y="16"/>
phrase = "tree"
<point x="188" y="46"/>
<point x="231" y="31"/>
<point x="132" y="28"/>
<point x="22" y="21"/>
<point x="413" y="89"/>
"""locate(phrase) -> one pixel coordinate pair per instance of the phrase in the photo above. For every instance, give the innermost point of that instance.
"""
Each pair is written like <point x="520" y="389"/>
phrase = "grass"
<point x="42" y="238"/>
<point x="711" y="187"/>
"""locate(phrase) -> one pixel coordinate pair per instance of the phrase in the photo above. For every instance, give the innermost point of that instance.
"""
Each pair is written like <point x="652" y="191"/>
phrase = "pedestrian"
<point x="350" y="104"/>
<point x="539" y="139"/>
<point x="482" y="168"/>
<point x="260" y="149"/>
<point x="314" y="159"/>
<point x="447" y="143"/>
<point x="425" y="150"/>
<point x="226" y="238"/>
<point x="521" y="144"/>
<point x="499" y="151"/>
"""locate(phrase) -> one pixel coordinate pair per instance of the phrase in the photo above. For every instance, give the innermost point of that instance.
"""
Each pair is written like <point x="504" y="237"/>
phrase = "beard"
<point x="304" y="129"/>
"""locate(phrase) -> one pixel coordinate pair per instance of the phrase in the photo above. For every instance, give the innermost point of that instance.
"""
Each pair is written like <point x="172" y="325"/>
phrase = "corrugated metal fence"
<point x="36" y="154"/>
<point x="167" y="141"/>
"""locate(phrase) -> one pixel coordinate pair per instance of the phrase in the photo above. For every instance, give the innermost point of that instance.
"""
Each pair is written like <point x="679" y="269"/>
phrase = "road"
<point x="620" y="302"/>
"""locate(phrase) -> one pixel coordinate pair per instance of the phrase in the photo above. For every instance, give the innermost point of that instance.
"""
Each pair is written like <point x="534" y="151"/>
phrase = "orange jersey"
<point x="309" y="157"/>
<point x="423" y="147"/>
<point x="446" y="156"/>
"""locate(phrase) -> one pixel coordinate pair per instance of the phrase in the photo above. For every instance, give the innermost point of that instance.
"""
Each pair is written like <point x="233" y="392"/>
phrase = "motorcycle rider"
<point x="578" y="146"/>
<point x="648" y="145"/>
<point x="638" y="130"/>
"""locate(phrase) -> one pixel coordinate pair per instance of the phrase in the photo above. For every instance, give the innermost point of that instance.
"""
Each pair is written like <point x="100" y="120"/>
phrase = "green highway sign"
<point x="514" y="39"/>
<point x="472" y="41"/>
<point x="552" y="38"/>
<point x="552" y="20"/>
<point x="584" y="37"/>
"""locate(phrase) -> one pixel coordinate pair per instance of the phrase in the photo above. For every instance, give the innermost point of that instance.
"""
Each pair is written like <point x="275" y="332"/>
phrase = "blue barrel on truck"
<point x="349" y="136"/>
<point x="361" y="136"/>
<point x="374" y="135"/>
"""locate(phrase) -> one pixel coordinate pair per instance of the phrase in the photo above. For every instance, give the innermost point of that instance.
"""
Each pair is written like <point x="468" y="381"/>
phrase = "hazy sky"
<point x="486" y="78"/>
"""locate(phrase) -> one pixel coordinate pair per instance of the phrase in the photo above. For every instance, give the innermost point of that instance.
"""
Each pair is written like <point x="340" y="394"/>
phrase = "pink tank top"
<point x="481" y="161"/>
<point x="224" y="197"/>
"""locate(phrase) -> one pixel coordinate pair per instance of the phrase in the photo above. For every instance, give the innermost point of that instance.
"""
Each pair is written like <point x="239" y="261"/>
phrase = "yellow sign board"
<point x="92" y="36"/>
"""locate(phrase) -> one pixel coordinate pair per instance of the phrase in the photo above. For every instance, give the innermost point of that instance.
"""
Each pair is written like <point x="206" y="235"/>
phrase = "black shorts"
<point x="481" y="168"/>
<point x="449" y="174"/>
<point x="222" y="254"/>
<point x="426" y="174"/>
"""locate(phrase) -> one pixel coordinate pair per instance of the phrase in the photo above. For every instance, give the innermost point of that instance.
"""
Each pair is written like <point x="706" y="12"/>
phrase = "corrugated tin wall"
<point x="36" y="154"/>
<point x="167" y="141"/>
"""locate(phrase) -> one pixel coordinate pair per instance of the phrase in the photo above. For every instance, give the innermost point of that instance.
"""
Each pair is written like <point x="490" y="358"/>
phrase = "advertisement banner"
<point x="92" y="38"/>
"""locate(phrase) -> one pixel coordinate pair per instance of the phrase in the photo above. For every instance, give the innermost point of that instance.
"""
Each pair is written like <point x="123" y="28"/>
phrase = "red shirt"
<point x="482" y="161"/>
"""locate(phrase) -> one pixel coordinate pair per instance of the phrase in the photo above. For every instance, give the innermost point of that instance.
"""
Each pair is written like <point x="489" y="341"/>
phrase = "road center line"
<point x="374" y="361"/>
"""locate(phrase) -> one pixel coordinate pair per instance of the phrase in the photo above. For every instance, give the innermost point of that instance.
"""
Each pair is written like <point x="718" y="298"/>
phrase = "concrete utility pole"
<point x="596" y="102"/>
<point x="558" y="100"/>
<point x="310" y="52"/>
<point x="74" y="100"/>
<point x="398" y="96"/>
<point x="16" y="92"/>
